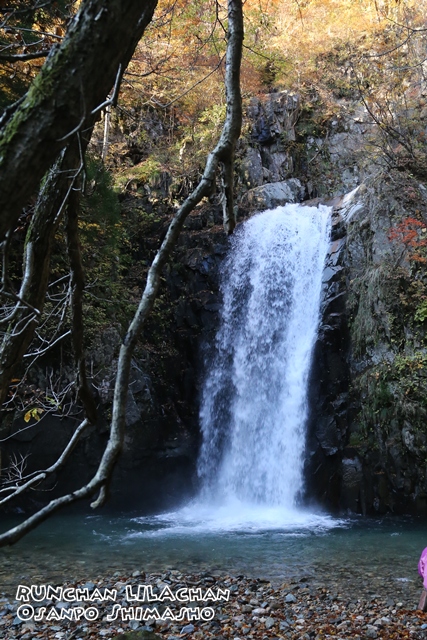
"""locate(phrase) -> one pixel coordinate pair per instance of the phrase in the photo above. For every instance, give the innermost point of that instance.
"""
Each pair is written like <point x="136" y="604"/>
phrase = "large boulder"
<point x="275" y="194"/>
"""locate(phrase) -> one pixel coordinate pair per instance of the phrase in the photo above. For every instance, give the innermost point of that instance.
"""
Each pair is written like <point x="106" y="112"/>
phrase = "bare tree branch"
<point x="193" y="86"/>
<point x="41" y="352"/>
<point x="38" y="476"/>
<point x="31" y="297"/>
<point x="21" y="57"/>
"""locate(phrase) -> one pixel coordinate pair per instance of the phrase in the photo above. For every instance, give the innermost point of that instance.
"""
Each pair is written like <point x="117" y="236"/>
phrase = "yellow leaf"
<point x="35" y="413"/>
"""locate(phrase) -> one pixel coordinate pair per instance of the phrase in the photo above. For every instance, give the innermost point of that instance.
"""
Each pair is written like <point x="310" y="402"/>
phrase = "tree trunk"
<point x="74" y="81"/>
<point x="105" y="139"/>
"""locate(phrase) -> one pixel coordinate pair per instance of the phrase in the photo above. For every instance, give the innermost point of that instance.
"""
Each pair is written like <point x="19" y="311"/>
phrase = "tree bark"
<point x="77" y="288"/>
<point x="75" y="79"/>
<point x="233" y="121"/>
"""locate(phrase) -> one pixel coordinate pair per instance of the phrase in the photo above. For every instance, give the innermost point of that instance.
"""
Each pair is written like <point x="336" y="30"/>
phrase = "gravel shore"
<point x="255" y="609"/>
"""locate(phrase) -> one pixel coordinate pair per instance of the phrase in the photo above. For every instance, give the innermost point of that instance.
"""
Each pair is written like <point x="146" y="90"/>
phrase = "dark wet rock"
<point x="386" y="339"/>
<point x="366" y="441"/>
<point x="251" y="168"/>
<point x="266" y="155"/>
<point x="352" y="495"/>
<point x="329" y="382"/>
<point x="272" y="115"/>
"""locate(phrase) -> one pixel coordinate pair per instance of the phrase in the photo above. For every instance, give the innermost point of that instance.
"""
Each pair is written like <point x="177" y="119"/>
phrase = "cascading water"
<point x="254" y="402"/>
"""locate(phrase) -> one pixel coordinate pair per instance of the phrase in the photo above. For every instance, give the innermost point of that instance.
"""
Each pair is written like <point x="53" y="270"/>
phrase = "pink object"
<point x="422" y="567"/>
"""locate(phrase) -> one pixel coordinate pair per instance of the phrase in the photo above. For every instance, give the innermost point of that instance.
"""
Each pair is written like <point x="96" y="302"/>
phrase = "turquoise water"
<point x="378" y="552"/>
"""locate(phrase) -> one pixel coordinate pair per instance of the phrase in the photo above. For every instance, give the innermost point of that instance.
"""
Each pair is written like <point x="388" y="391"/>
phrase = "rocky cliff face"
<point x="367" y="441"/>
<point x="329" y="383"/>
<point x="368" y="438"/>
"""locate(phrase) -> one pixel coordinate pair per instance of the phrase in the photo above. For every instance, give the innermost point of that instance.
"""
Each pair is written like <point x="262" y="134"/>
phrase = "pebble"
<point x="269" y="622"/>
<point x="303" y="610"/>
<point x="189" y="628"/>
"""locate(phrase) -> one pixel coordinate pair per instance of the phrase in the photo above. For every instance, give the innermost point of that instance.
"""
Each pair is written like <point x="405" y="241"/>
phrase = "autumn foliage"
<point x="412" y="233"/>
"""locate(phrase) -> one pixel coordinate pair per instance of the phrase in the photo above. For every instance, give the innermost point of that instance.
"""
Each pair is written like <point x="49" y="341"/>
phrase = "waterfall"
<point x="254" y="399"/>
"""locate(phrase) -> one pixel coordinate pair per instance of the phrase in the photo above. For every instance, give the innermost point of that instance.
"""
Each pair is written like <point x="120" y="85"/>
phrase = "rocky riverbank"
<point x="252" y="608"/>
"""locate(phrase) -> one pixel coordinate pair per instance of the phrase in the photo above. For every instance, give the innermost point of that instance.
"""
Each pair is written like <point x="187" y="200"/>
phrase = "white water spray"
<point x="254" y="402"/>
